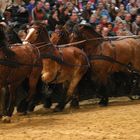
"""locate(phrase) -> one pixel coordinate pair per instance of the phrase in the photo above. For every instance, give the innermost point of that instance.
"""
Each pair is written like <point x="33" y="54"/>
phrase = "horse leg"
<point x="75" y="100"/>
<point x="4" y="98"/>
<point x="47" y="96"/>
<point x="70" y="92"/>
<point x="61" y="103"/>
<point x="11" y="103"/>
<point x="21" y="97"/>
<point x="105" y="92"/>
<point x="33" y="80"/>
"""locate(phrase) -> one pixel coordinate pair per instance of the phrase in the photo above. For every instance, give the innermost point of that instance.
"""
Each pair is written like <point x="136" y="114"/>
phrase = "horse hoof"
<point x="48" y="109"/>
<point x="75" y="104"/>
<point x="103" y="104"/>
<point x="6" y="119"/>
<point x="57" y="109"/>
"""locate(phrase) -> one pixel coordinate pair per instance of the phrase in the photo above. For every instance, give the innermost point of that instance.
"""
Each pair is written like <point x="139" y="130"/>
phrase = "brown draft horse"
<point x="67" y="65"/>
<point x="14" y="69"/>
<point x="108" y="57"/>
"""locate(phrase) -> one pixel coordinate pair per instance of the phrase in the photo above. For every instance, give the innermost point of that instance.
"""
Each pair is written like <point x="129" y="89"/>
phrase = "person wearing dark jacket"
<point x="18" y="11"/>
<point x="71" y="22"/>
<point x="53" y="21"/>
<point x="87" y="12"/>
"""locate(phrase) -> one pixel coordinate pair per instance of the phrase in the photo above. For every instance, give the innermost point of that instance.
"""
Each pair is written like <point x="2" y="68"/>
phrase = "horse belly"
<point x="20" y="74"/>
<point x="100" y="70"/>
<point x="56" y="76"/>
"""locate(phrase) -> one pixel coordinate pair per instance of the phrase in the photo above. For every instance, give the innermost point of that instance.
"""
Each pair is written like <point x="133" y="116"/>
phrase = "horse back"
<point x="24" y="53"/>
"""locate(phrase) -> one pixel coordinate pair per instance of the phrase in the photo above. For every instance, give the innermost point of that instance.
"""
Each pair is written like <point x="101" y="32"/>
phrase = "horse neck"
<point x="92" y="43"/>
<point x="43" y="38"/>
<point x="64" y="40"/>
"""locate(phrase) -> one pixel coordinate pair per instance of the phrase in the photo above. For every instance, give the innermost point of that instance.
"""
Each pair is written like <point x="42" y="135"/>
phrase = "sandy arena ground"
<point x="119" y="121"/>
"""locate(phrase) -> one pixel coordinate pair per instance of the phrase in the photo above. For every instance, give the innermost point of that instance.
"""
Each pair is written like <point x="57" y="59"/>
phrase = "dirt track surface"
<point x="119" y="121"/>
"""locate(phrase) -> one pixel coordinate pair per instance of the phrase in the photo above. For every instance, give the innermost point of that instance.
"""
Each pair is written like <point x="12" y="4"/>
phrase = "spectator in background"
<point x="138" y="31"/>
<point x="47" y="10"/>
<point x="119" y="16"/>
<point x="97" y="12"/>
<point x="123" y="11"/>
<point x="125" y="2"/>
<point x="87" y="11"/>
<point x="19" y="13"/>
<point x="93" y="20"/>
<point x="64" y="16"/>
<point x="98" y="28"/>
<point x="69" y="5"/>
<point x="43" y="1"/>
<point x="51" y="2"/>
<point x="128" y="22"/>
<point x="1" y="12"/>
<point x="122" y="30"/>
<point x="105" y="32"/>
<point x="38" y="13"/>
<point x="136" y="24"/>
<point x="30" y="7"/>
<point x="104" y="21"/>
<point x="71" y="22"/>
<point x="113" y="11"/>
<point x="103" y="11"/>
<point x="53" y="21"/>
<point x="110" y="28"/>
<point x="132" y="8"/>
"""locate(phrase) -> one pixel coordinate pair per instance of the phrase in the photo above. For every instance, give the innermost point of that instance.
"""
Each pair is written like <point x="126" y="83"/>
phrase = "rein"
<point x="15" y="64"/>
<point x="99" y="38"/>
<point x="114" y="38"/>
<point x="61" y="61"/>
<point x="70" y="44"/>
<point x="110" y="59"/>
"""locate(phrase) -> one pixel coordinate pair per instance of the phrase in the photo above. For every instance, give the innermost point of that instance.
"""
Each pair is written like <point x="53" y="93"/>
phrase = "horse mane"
<point x="52" y="57"/>
<point x="42" y="26"/>
<point x="13" y="36"/>
<point x="76" y="31"/>
<point x="4" y="42"/>
<point x="91" y="30"/>
<point x="65" y="32"/>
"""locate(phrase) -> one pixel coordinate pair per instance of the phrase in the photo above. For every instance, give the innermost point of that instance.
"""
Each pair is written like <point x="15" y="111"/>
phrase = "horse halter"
<point x="29" y="34"/>
<point x="40" y="44"/>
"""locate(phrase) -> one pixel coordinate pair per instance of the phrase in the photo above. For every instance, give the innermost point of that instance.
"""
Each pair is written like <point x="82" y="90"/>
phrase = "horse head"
<point x="60" y="36"/>
<point x="88" y="31"/>
<point x="37" y="33"/>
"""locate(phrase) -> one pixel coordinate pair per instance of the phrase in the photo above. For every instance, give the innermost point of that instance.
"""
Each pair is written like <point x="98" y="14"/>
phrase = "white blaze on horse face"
<point x="31" y="31"/>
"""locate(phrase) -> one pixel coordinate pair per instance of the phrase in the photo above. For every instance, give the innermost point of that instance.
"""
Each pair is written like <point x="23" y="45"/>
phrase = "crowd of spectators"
<point x="107" y="17"/>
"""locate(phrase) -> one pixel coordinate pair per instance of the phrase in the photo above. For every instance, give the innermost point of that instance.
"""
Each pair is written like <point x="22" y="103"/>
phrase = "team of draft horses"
<point x="84" y="53"/>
